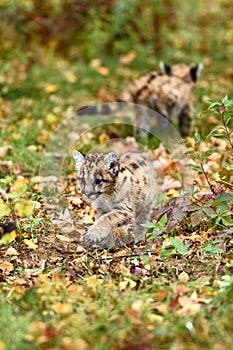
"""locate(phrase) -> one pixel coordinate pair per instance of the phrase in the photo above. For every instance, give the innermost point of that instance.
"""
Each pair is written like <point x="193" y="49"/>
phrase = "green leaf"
<point x="211" y="249"/>
<point x="210" y="212"/>
<point x="166" y="252"/>
<point x="179" y="246"/>
<point x="225" y="100"/>
<point x="148" y="225"/>
<point x="224" y="197"/>
<point x="197" y="137"/>
<point x="196" y="168"/>
<point x="197" y="156"/>
<point x="5" y="210"/>
<point x="227" y="221"/>
<point x="214" y="104"/>
<point x="222" y="208"/>
<point x="220" y="136"/>
<point x="214" y="130"/>
<point x="227" y="118"/>
<point x="163" y="220"/>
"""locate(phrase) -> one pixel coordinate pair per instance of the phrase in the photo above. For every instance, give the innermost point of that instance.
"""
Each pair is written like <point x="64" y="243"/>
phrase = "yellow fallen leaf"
<point x="19" y="186"/>
<point x="91" y="213"/>
<point x="5" y="210"/>
<point x="190" y="140"/>
<point x="127" y="284"/>
<point x="161" y="307"/>
<point x="172" y="193"/>
<point x="62" y="308"/>
<point x="51" y="118"/>
<point x="26" y="121"/>
<point x="43" y="137"/>
<point x="30" y="244"/>
<point x="8" y="238"/>
<point x="70" y="77"/>
<point x="128" y="58"/>
<point x="2" y="345"/>
<point x="50" y="88"/>
<point x="102" y="70"/>
<point x="71" y="343"/>
<point x="210" y="292"/>
<point x="24" y="207"/>
<point x="153" y="318"/>
<point x="95" y="63"/>
<point x="103" y="137"/>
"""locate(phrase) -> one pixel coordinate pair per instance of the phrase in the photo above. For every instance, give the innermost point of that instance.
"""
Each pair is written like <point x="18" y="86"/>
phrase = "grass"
<point x="55" y="296"/>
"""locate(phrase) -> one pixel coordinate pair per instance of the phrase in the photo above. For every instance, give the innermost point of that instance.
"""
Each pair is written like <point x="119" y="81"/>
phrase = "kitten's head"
<point x="97" y="173"/>
<point x="189" y="74"/>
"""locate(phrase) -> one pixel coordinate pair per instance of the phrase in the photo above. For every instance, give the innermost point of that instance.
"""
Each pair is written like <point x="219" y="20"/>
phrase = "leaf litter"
<point x="182" y="271"/>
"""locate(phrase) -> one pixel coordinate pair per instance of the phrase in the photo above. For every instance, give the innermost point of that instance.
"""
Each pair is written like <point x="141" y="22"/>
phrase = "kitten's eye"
<point x="98" y="181"/>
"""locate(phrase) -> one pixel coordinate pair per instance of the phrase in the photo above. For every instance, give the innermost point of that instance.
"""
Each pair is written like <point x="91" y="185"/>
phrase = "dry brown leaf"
<point x="6" y="267"/>
<point x="128" y="58"/>
<point x="183" y="277"/>
<point x="11" y="251"/>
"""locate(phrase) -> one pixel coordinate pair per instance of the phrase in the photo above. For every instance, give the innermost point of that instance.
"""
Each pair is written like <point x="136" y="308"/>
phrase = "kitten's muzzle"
<point x="91" y="195"/>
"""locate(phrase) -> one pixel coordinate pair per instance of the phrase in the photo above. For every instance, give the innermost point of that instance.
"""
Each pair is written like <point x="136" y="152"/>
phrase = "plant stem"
<point x="226" y="130"/>
<point x="208" y="181"/>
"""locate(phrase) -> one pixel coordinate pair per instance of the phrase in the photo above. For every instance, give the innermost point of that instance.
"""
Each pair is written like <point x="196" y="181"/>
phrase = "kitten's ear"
<point x="78" y="157"/>
<point x="195" y="71"/>
<point x="112" y="163"/>
<point x="165" y="68"/>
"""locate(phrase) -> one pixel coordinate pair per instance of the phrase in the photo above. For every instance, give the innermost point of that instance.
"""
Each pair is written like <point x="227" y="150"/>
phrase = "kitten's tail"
<point x="102" y="109"/>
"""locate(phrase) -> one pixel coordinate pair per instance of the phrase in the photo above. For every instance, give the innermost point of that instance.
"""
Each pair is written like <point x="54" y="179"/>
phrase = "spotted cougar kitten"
<point x="121" y="191"/>
<point x="168" y="93"/>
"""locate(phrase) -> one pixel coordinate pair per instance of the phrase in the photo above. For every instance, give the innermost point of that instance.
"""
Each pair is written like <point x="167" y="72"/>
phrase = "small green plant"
<point x="158" y="227"/>
<point x="200" y="210"/>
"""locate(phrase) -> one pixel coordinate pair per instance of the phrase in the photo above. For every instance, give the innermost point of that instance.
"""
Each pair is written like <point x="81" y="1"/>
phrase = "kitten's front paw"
<point x="98" y="237"/>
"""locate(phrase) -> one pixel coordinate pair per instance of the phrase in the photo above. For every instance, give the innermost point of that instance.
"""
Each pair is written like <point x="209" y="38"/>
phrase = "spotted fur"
<point x="121" y="191"/>
<point x="168" y="93"/>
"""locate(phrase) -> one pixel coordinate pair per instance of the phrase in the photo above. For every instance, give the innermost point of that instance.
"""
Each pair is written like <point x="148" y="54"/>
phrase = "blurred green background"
<point x="189" y="31"/>
<point x="105" y="44"/>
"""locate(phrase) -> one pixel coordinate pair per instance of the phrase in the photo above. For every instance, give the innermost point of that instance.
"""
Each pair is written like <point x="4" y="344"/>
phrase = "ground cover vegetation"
<point x="173" y="292"/>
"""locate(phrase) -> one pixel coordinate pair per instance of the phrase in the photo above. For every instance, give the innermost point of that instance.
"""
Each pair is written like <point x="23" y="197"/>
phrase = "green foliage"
<point x="175" y="245"/>
<point x="157" y="227"/>
<point x="14" y="326"/>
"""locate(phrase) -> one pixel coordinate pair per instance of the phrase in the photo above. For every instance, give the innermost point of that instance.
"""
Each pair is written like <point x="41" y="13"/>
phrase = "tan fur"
<point x="121" y="191"/>
<point x="168" y="93"/>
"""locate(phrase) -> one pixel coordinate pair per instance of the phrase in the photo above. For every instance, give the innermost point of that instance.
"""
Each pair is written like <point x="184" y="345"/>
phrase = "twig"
<point x="208" y="181"/>
<point x="124" y="256"/>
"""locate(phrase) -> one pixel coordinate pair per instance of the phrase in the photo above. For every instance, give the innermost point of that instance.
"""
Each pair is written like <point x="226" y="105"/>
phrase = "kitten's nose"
<point x="89" y="194"/>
